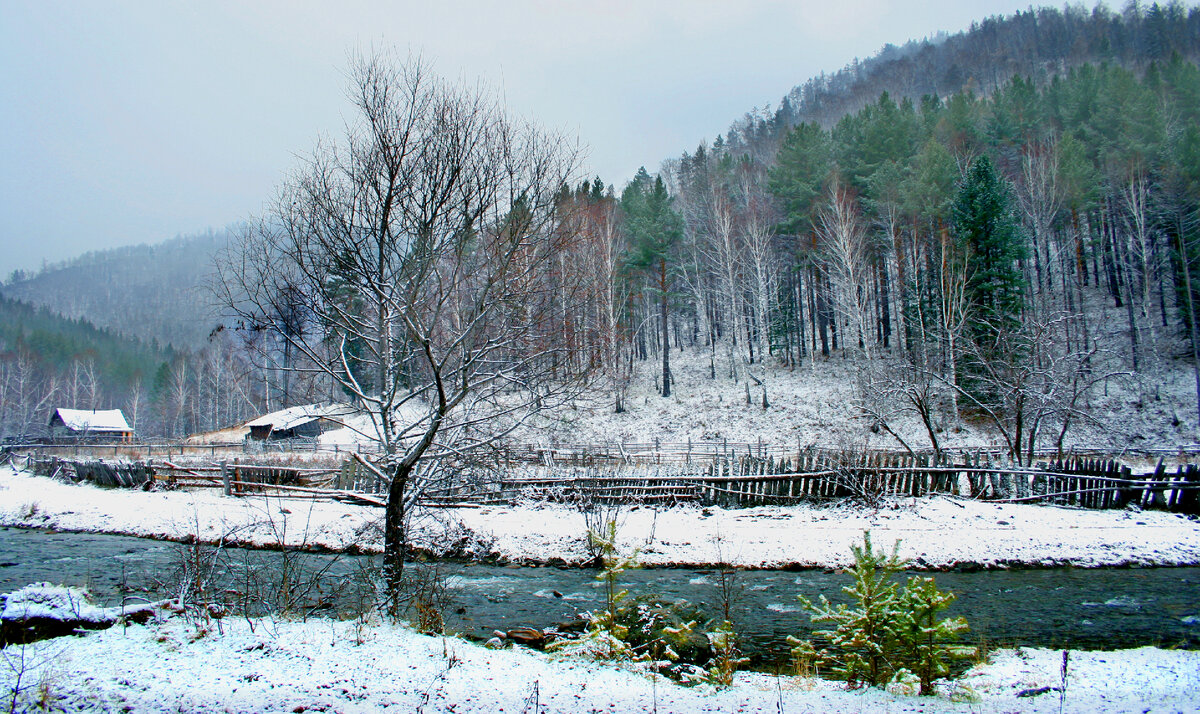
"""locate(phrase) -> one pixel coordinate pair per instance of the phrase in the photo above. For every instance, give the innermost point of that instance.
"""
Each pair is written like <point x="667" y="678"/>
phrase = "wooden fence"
<point x="732" y="482"/>
<point x="655" y="452"/>
<point x="750" y="481"/>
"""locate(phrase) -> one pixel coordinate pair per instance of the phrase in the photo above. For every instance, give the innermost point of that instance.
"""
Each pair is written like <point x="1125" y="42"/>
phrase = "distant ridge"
<point x="151" y="292"/>
<point x="1038" y="43"/>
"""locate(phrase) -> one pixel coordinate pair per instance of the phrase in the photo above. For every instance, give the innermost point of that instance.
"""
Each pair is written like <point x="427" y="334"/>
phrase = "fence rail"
<point x="746" y="480"/>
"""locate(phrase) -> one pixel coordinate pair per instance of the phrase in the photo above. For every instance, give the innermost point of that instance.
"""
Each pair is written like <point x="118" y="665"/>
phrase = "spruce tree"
<point x="655" y="230"/>
<point x="984" y="225"/>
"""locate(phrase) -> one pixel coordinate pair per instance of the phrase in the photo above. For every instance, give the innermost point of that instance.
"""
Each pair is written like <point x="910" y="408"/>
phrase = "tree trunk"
<point x="666" y="350"/>
<point x="395" y="538"/>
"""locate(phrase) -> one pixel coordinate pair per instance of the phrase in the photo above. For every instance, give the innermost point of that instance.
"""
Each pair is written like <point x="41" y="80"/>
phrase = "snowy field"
<point x="323" y="665"/>
<point x="936" y="532"/>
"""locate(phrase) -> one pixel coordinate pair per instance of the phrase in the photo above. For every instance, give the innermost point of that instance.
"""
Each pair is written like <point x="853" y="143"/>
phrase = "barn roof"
<point x="293" y="417"/>
<point x="94" y="420"/>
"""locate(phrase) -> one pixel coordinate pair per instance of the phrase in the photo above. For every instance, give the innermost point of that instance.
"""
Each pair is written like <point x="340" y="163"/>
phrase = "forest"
<point x="989" y="225"/>
<point x="963" y="246"/>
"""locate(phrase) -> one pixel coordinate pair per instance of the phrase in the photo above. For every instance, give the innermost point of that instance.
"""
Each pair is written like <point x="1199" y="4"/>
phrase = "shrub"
<point x="886" y="631"/>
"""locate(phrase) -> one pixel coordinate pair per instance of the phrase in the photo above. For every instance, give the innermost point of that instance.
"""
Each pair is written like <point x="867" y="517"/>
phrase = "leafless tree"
<point x="954" y="309"/>
<point x="1040" y="197"/>
<point x="846" y="255"/>
<point x="759" y="219"/>
<point x="417" y="252"/>
<point x="1024" y="381"/>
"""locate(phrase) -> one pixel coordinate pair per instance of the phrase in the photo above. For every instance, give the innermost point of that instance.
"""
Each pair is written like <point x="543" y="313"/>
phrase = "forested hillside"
<point x="991" y="233"/>
<point x="49" y="361"/>
<point x="1002" y="258"/>
<point x="153" y="292"/>
<point x="1037" y="44"/>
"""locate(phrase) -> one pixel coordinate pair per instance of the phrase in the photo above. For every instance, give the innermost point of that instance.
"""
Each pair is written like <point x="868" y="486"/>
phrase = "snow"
<point x="936" y="532"/>
<point x="291" y="417"/>
<point x="279" y="665"/>
<point x="815" y="404"/>
<point x="54" y="602"/>
<point x="93" y="420"/>
<point x="290" y="666"/>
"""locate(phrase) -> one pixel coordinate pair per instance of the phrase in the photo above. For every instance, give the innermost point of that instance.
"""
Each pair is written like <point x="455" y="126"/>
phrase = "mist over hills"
<point x="152" y="292"/>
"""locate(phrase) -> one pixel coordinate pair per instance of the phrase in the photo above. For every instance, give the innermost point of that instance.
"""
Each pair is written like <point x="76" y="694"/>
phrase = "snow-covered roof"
<point x="93" y="419"/>
<point x="295" y="416"/>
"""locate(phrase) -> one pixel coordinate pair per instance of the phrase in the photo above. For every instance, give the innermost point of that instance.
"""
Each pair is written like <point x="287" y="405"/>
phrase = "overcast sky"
<point x="134" y="122"/>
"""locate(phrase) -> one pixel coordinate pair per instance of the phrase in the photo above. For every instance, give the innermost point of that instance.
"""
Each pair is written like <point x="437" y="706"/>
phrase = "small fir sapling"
<point x="645" y="630"/>
<point x="726" y="656"/>
<point x="605" y="636"/>
<point x="886" y="632"/>
<point x="922" y="637"/>
<point x="861" y="638"/>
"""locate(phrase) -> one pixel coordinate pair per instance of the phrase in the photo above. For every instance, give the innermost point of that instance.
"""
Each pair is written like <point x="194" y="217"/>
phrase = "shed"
<point x="309" y="420"/>
<point x="90" y="425"/>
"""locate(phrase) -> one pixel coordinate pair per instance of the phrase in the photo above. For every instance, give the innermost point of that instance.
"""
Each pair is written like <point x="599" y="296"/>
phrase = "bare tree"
<point x="1025" y="380"/>
<point x="759" y="219"/>
<point x="846" y="257"/>
<point x="953" y="310"/>
<point x="1040" y="197"/>
<point x="417" y="251"/>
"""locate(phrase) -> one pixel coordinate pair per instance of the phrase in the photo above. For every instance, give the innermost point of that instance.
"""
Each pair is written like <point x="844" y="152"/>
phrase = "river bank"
<point x="937" y="533"/>
<point x="324" y="665"/>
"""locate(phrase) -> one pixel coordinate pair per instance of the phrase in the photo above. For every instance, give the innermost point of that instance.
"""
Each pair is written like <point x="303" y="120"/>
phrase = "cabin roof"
<point x="293" y="417"/>
<point x="93" y="420"/>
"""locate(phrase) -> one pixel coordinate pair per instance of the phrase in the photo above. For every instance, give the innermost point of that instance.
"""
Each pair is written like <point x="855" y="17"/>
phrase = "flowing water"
<point x="1058" y="608"/>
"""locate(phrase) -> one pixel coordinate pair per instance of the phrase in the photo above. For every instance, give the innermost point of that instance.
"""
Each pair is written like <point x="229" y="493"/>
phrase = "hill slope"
<point x="152" y="292"/>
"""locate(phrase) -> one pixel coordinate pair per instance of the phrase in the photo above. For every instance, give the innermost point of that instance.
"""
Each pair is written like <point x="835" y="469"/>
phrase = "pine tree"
<point x="984" y="225"/>
<point x="655" y="230"/>
<point x="799" y="177"/>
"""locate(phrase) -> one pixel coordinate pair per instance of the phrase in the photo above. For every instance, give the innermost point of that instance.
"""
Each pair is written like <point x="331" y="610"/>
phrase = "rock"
<point x="528" y="636"/>
<point x="494" y="644"/>
<point x="1036" y="692"/>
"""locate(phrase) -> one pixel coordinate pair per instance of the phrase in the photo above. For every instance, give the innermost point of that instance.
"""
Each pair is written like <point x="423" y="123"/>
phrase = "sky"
<point x="128" y="122"/>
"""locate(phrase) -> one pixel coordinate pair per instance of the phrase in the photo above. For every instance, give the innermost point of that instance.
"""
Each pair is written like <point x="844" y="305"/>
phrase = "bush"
<point x="657" y="634"/>
<point x="888" y="633"/>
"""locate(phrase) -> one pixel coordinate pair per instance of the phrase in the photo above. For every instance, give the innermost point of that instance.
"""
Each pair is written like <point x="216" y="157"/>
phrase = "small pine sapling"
<point x="888" y="634"/>
<point x="924" y="639"/>
<point x="726" y="657"/>
<point x="605" y="638"/>
<point x="863" y="636"/>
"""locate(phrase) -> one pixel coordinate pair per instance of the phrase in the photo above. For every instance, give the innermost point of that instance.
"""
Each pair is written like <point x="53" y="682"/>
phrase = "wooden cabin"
<point x="307" y="421"/>
<point x="93" y="425"/>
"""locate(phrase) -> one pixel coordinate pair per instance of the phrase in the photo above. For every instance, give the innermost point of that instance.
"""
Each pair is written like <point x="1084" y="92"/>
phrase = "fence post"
<point x="225" y="478"/>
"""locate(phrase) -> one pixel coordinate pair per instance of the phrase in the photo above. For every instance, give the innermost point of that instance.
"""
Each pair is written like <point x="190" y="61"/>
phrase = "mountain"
<point x="1037" y="44"/>
<point x="152" y="292"/>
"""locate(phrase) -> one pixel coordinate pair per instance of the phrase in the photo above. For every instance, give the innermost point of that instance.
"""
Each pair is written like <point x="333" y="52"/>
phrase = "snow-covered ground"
<point x="935" y="532"/>
<point x="323" y="665"/>
<point x="816" y="404"/>
<point x="281" y="665"/>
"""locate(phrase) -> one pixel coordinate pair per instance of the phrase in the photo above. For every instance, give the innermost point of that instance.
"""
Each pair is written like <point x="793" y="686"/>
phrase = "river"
<point x="1057" y="608"/>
